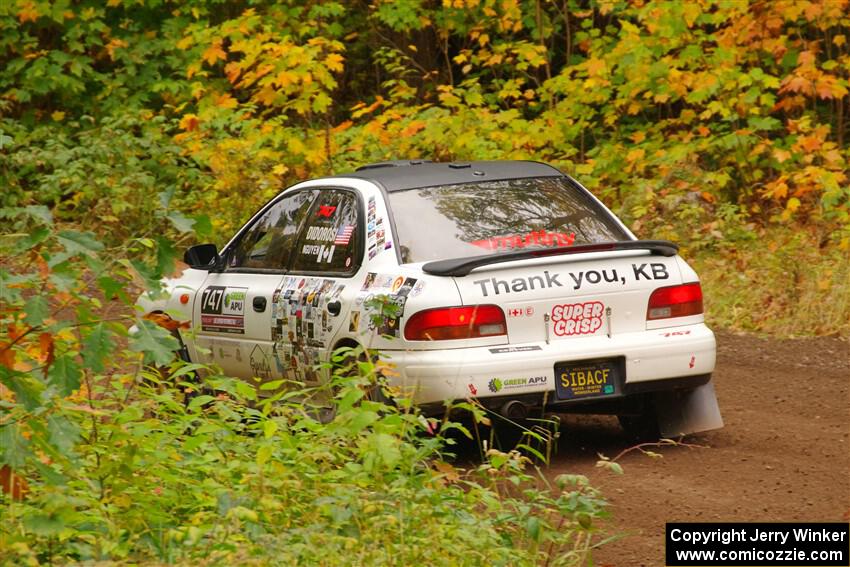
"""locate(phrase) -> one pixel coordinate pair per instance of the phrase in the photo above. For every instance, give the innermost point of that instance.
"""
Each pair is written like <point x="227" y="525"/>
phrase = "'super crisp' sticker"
<point x="577" y="318"/>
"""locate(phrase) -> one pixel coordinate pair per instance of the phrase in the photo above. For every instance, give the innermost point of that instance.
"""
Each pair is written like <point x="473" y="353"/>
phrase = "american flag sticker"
<point x="343" y="235"/>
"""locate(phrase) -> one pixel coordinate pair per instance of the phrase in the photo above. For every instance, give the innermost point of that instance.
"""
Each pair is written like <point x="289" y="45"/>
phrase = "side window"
<point x="269" y="242"/>
<point x="330" y="239"/>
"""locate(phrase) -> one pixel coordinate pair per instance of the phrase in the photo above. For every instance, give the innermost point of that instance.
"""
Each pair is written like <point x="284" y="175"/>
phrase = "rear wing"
<point x="462" y="266"/>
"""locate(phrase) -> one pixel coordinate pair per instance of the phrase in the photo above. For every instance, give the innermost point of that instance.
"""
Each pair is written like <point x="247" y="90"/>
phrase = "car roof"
<point x="412" y="174"/>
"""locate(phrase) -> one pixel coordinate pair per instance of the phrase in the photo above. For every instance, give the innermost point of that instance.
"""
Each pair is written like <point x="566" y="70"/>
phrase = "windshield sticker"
<point x="343" y="235"/>
<point x="536" y="238"/>
<point x="321" y="233"/>
<point x="326" y="211"/>
<point x="223" y="309"/>
<point x="577" y="318"/>
<point x="322" y="252"/>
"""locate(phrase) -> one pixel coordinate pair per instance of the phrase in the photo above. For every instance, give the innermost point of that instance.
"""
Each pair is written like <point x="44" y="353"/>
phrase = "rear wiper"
<point x="462" y="266"/>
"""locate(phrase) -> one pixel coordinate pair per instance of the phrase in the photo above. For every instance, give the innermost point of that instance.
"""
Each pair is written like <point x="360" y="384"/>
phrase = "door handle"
<point x="259" y="304"/>
<point x="334" y="307"/>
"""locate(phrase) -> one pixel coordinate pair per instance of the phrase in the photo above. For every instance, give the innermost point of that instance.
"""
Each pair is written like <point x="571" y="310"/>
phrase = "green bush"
<point x="123" y="454"/>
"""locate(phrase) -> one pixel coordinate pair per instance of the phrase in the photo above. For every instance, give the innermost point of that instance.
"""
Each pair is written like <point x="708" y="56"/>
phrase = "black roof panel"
<point x="402" y="174"/>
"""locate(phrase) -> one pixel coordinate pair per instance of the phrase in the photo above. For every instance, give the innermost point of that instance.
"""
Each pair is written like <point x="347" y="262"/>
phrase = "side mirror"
<point x="201" y="256"/>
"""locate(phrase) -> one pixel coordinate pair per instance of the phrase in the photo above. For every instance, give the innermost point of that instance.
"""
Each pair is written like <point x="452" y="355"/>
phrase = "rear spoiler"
<point x="462" y="266"/>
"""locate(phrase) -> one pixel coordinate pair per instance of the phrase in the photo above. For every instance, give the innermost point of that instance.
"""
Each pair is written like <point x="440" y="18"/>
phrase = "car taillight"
<point x="675" y="301"/>
<point x="446" y="323"/>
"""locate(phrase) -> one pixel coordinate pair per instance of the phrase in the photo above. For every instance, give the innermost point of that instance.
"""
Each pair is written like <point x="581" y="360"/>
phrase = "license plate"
<point x="588" y="379"/>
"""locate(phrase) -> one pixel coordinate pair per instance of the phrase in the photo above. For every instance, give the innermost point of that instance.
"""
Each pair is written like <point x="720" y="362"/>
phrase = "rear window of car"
<point x="471" y="219"/>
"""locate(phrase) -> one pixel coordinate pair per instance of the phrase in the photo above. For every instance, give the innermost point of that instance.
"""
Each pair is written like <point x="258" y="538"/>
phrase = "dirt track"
<point x="784" y="454"/>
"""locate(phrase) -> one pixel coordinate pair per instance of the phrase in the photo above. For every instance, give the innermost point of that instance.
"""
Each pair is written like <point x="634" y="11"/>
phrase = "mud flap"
<point x="684" y="412"/>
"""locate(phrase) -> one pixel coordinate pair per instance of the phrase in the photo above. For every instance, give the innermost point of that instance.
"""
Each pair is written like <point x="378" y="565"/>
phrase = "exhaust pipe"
<point x="514" y="410"/>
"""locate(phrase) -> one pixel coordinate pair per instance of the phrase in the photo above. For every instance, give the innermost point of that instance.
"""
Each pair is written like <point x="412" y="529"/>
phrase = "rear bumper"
<point x="654" y="361"/>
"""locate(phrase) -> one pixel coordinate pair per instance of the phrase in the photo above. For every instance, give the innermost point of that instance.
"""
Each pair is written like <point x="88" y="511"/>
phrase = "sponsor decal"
<point x="407" y="287"/>
<point x="354" y="322"/>
<point x="397" y="284"/>
<point x="322" y="252"/>
<point x="472" y="389"/>
<point x="498" y="384"/>
<point x="502" y="350"/>
<point x="321" y="233"/>
<point x="418" y="288"/>
<point x="577" y="318"/>
<point x="223" y="309"/>
<point x="326" y="211"/>
<point x="536" y="238"/>
<point x="692" y="362"/>
<point x="675" y="333"/>
<point x="370" y="279"/>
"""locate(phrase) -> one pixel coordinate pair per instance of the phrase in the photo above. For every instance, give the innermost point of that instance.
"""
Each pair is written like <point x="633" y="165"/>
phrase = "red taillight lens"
<point x="675" y="301"/>
<point x="446" y="323"/>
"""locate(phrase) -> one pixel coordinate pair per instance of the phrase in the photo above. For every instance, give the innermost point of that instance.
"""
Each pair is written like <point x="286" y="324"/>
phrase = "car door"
<point x="234" y="310"/>
<point x="313" y="302"/>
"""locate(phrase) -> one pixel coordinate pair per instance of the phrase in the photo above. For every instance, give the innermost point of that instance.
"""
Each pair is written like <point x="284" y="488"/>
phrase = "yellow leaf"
<point x="342" y="127"/>
<point x="225" y="101"/>
<point x="58" y="116"/>
<point x="28" y="12"/>
<point x="793" y="204"/>
<point x="334" y="62"/>
<point x="412" y="128"/>
<point x="595" y="67"/>
<point x="638" y="137"/>
<point x="781" y="155"/>
<point x="839" y="40"/>
<point x="189" y="122"/>
<point x="635" y="155"/>
<point x="214" y="52"/>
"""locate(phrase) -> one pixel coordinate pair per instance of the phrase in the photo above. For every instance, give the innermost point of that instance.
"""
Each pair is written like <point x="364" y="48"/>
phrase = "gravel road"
<point x="784" y="454"/>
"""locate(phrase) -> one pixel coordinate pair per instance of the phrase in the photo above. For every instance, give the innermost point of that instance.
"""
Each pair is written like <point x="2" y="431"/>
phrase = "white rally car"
<point x="511" y="284"/>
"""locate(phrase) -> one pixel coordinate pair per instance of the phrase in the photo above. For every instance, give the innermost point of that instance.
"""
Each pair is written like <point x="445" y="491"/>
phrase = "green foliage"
<point x="121" y="453"/>
<point x="710" y="122"/>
